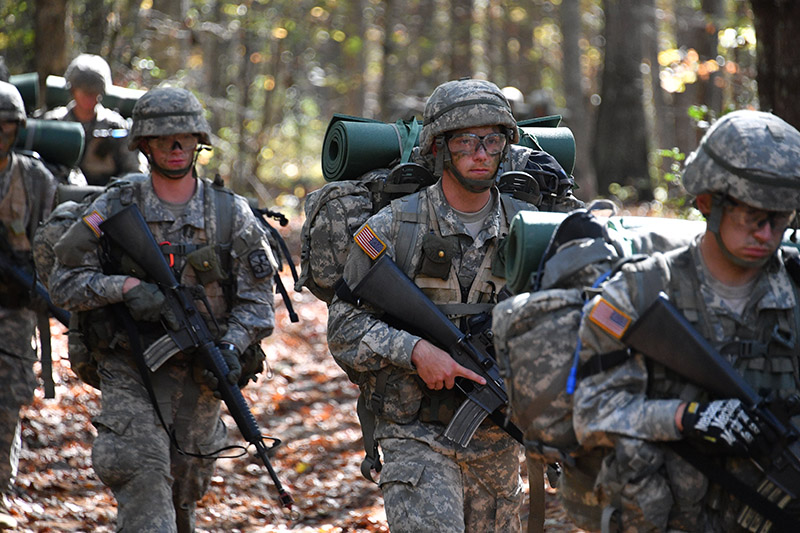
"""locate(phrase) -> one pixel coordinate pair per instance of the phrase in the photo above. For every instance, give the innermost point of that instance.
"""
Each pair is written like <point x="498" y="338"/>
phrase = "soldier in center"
<point x="446" y="238"/>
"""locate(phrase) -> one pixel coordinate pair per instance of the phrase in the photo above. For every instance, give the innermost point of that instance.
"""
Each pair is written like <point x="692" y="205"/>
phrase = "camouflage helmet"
<point x="88" y="72"/>
<point x="168" y="111"/>
<point x="751" y="156"/>
<point x="12" y="109"/>
<point x="464" y="103"/>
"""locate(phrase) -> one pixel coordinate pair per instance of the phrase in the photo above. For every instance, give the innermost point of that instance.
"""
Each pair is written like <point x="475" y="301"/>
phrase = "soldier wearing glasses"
<point x="732" y="283"/>
<point x="450" y="234"/>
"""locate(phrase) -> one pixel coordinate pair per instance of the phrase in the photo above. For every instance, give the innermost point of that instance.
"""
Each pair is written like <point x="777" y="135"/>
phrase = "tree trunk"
<point x="50" y="42"/>
<point x="460" y="38"/>
<point x="92" y="26"/>
<point x="578" y="117"/>
<point x="777" y="25"/>
<point x="620" y="150"/>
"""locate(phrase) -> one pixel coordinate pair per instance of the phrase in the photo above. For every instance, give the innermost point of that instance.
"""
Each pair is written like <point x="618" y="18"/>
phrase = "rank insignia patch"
<point x="609" y="318"/>
<point x="93" y="220"/>
<point x="259" y="264"/>
<point x="369" y="242"/>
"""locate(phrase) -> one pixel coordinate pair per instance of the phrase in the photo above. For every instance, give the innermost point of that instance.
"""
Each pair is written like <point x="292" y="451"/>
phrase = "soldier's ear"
<point x="703" y="202"/>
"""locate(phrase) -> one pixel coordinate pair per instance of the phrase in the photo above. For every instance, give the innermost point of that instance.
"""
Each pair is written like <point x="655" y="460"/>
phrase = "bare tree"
<point x="620" y="150"/>
<point x="579" y="119"/>
<point x="51" y="40"/>
<point x="460" y="38"/>
<point x="777" y="25"/>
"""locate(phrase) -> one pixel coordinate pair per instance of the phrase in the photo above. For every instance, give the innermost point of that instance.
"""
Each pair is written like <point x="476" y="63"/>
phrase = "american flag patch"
<point x="369" y="242"/>
<point x="609" y="318"/>
<point x="93" y="220"/>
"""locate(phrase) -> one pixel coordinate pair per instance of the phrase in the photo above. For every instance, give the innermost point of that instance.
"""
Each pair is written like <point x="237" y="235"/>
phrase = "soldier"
<point x="156" y="448"/>
<point x="732" y="284"/>
<point x="105" y="155"/>
<point x="446" y="238"/>
<point x="27" y="190"/>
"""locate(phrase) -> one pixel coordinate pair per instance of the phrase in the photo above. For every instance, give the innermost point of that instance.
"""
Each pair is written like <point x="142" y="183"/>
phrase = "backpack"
<point x="537" y="345"/>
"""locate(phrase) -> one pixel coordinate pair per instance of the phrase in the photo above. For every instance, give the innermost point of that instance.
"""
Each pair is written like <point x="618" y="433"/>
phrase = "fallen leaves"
<point x="309" y="404"/>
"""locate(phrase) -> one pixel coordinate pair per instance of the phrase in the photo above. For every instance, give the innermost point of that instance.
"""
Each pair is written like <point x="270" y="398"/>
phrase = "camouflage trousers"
<point x="654" y="488"/>
<point x="17" y="355"/>
<point x="426" y="491"/>
<point x="156" y="487"/>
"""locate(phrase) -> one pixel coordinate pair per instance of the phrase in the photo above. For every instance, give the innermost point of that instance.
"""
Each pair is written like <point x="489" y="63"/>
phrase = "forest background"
<point x="637" y="82"/>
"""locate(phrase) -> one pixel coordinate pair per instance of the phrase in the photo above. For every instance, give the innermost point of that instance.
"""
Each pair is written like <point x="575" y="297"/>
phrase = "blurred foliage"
<point x="271" y="73"/>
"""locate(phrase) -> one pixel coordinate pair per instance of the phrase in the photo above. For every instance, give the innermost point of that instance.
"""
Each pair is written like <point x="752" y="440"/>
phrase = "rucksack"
<point x="537" y="345"/>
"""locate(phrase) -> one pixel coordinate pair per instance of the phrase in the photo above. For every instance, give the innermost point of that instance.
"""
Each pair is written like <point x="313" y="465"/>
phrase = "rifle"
<point x="25" y="280"/>
<point x="128" y="229"/>
<point x="388" y="289"/>
<point x="664" y="335"/>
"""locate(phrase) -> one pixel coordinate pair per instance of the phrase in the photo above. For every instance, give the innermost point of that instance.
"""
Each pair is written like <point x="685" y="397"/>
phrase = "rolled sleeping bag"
<point x="355" y="145"/>
<point x="28" y="86"/>
<point x="530" y="233"/>
<point x="56" y="141"/>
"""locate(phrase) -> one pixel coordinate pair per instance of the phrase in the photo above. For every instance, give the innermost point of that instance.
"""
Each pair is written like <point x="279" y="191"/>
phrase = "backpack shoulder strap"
<point x="223" y="206"/>
<point x="407" y="215"/>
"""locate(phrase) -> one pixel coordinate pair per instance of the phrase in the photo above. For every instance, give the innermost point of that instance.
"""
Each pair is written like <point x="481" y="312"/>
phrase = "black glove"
<point x="145" y="302"/>
<point x="724" y="422"/>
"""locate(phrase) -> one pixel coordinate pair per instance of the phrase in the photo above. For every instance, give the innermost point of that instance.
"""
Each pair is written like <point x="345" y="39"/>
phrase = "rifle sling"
<point x="730" y="483"/>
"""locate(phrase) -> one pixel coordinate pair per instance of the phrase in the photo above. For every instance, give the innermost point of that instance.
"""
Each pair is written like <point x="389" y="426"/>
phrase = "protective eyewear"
<point x="186" y="142"/>
<point x="754" y="219"/>
<point x="468" y="143"/>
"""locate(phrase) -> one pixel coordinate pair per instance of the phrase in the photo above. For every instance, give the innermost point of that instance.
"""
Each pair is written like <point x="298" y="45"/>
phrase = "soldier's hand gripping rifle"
<point x="128" y="229"/>
<point x="388" y="289"/>
<point x="664" y="335"/>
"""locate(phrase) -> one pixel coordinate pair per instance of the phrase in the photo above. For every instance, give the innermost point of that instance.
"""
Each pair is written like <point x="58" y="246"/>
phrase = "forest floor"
<point x="309" y="404"/>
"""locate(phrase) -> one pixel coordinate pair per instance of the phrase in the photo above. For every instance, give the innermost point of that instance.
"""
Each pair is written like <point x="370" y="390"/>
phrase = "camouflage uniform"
<point x="429" y="483"/>
<point x="629" y="409"/>
<point x="27" y="190"/>
<point x="105" y="154"/>
<point x="155" y="485"/>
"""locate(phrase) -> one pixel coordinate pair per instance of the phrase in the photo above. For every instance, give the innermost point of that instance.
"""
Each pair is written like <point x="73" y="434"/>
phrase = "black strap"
<point x="780" y="519"/>
<point x="601" y="362"/>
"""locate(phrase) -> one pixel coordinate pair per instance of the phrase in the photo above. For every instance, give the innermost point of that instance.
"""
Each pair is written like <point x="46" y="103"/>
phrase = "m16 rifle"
<point x="128" y="229"/>
<point x="388" y="289"/>
<point x="664" y="335"/>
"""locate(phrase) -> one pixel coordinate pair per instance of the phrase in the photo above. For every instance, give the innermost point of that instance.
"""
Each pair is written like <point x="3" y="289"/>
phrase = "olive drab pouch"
<point x="437" y="255"/>
<point x="206" y="263"/>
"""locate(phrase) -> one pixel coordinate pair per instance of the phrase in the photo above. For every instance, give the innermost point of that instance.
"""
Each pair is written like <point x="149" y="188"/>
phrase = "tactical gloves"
<point x="145" y="302"/>
<point x="724" y="422"/>
<point x="231" y="356"/>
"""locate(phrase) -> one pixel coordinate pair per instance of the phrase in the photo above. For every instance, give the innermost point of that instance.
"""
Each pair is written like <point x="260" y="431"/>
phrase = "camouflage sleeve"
<point x="356" y="337"/>
<point x="252" y="315"/>
<point x="77" y="282"/>
<point x="615" y="402"/>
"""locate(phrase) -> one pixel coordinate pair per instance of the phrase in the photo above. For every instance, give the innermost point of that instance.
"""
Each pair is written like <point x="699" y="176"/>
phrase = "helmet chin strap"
<point x="173" y="174"/>
<point x="714" y="220"/>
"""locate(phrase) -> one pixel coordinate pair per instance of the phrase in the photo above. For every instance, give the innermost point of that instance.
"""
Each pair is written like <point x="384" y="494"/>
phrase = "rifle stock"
<point x="128" y="229"/>
<point x="664" y="335"/>
<point x="388" y="289"/>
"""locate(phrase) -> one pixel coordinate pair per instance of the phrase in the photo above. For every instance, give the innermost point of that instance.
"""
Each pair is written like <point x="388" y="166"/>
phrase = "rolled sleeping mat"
<point x="56" y="141"/>
<point x="355" y="145"/>
<point x="530" y="233"/>
<point x="121" y="99"/>
<point x="28" y="86"/>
